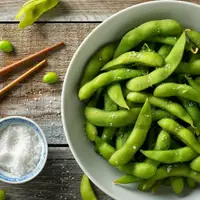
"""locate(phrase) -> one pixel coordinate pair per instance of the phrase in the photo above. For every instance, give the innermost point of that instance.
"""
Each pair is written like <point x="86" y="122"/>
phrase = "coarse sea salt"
<point x="20" y="150"/>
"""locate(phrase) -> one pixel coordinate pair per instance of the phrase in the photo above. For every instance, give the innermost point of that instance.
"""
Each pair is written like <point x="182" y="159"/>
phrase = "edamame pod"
<point x="109" y="132"/>
<point x="193" y="109"/>
<point x="98" y="60"/>
<point x="193" y="83"/>
<point x="179" y="90"/>
<point x="149" y="29"/>
<point x="87" y="90"/>
<point x="2" y="194"/>
<point x="125" y="179"/>
<point x="177" y="184"/>
<point x="172" y="107"/>
<point x="182" y="133"/>
<point x="195" y="164"/>
<point x="194" y="37"/>
<point x="136" y="138"/>
<point x="159" y="114"/>
<point x="160" y="74"/>
<point x="91" y="131"/>
<point x="192" y="68"/>
<point x="191" y="183"/>
<point x="183" y="154"/>
<point x="119" y="138"/>
<point x="170" y="41"/>
<point x="86" y="190"/>
<point x="115" y="93"/>
<point x="146" y="58"/>
<point x="166" y="171"/>
<point x="113" y="118"/>
<point x="164" y="50"/>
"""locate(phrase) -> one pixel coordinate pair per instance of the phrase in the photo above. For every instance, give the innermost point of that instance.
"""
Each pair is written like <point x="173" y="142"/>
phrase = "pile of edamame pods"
<point x="142" y="97"/>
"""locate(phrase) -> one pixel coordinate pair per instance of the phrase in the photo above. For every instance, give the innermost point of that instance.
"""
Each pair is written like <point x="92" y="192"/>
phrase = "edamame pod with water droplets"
<point x="177" y="184"/>
<point x="146" y="58"/>
<point x="106" y="78"/>
<point x="179" y="90"/>
<point x="166" y="27"/>
<point x="98" y="60"/>
<point x="180" y="132"/>
<point x="136" y="138"/>
<point x="112" y="118"/>
<point x="160" y="74"/>
<point x="172" y="107"/>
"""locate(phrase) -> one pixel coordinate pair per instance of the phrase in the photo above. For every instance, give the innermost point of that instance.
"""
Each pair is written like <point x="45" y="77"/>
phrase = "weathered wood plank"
<point x="60" y="180"/>
<point x="33" y="98"/>
<point x="73" y="10"/>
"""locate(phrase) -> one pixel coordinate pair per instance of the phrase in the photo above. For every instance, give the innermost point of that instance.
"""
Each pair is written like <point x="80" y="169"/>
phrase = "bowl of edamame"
<point x="131" y="103"/>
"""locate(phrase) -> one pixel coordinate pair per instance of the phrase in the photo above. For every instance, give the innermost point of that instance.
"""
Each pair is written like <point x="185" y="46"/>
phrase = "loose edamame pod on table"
<point x="170" y="106"/>
<point x="146" y="58"/>
<point x="179" y="90"/>
<point x="115" y="93"/>
<point x="160" y="74"/>
<point x="97" y="61"/>
<point x="32" y="10"/>
<point x="149" y="29"/>
<point x="177" y="184"/>
<point x="2" y="194"/>
<point x="106" y="78"/>
<point x="86" y="190"/>
<point x="180" y="132"/>
<point x="112" y="118"/>
<point x="136" y="138"/>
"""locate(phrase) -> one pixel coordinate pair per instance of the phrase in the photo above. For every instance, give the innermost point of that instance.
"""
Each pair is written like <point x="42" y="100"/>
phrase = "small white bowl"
<point x="6" y="177"/>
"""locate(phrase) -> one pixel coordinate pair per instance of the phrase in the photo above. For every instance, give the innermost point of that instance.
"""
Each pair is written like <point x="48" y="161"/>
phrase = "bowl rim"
<point x="43" y="159"/>
<point x="76" y="157"/>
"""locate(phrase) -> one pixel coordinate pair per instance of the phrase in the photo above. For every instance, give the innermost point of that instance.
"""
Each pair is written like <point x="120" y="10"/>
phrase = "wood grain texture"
<point x="60" y="180"/>
<point x="73" y="10"/>
<point x="33" y="98"/>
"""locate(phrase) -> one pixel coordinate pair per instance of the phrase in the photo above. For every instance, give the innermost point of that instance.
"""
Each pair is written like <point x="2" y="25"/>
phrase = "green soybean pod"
<point x="177" y="184"/>
<point x="86" y="190"/>
<point x="109" y="132"/>
<point x="160" y="74"/>
<point x="125" y="179"/>
<point x="164" y="50"/>
<point x="119" y="138"/>
<point x="97" y="61"/>
<point x="2" y="194"/>
<point x="91" y="131"/>
<point x="194" y="111"/>
<point x="179" y="90"/>
<point x="146" y="58"/>
<point x="192" y="68"/>
<point x="194" y="37"/>
<point x="156" y="186"/>
<point x="106" y="78"/>
<point x="195" y="164"/>
<point x="181" y="132"/>
<point x="136" y="138"/>
<point x="112" y="118"/>
<point x="158" y="114"/>
<point x="115" y="93"/>
<point x="165" y="171"/>
<point x="180" y="155"/>
<point x="152" y="137"/>
<point x="149" y="29"/>
<point x="197" y="79"/>
<point x="193" y="83"/>
<point x="191" y="183"/>
<point x="170" y="106"/>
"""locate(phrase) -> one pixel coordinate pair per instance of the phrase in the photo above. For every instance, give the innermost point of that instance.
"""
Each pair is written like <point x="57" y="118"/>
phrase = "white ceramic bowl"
<point x="98" y="170"/>
<point x="7" y="177"/>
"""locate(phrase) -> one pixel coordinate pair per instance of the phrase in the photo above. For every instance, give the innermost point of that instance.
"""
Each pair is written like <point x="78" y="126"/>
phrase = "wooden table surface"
<point x="71" y="21"/>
